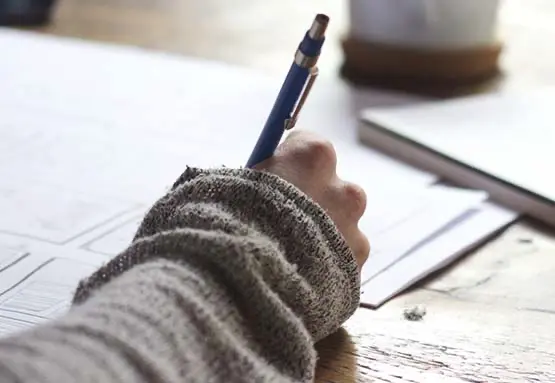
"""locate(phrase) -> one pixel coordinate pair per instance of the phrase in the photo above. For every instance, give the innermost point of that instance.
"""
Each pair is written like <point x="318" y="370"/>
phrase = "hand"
<point x="309" y="162"/>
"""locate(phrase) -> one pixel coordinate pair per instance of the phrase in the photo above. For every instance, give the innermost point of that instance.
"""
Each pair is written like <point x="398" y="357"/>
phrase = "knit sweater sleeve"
<point x="231" y="277"/>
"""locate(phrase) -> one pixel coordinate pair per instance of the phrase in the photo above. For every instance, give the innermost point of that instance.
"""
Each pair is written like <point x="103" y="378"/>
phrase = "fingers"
<point x="354" y="198"/>
<point x="359" y="244"/>
<point x="309" y="162"/>
<point x="348" y="202"/>
<point x="347" y="206"/>
<point x="310" y="153"/>
<point x="304" y="159"/>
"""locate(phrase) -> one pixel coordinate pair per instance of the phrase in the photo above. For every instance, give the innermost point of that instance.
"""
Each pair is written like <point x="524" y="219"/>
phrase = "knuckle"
<point x="318" y="154"/>
<point x="356" y="198"/>
<point x="322" y="149"/>
<point x="367" y="247"/>
<point x="360" y="246"/>
<point x="364" y="251"/>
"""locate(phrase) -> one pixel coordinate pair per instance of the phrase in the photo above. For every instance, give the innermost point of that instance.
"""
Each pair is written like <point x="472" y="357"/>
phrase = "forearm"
<point x="214" y="288"/>
<point x="161" y="322"/>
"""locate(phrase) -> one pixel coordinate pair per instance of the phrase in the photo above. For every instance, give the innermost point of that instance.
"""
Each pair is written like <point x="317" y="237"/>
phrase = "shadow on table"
<point x="336" y="359"/>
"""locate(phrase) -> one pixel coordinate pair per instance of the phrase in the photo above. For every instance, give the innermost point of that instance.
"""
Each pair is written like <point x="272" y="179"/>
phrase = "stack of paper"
<point x="448" y="243"/>
<point x="91" y="135"/>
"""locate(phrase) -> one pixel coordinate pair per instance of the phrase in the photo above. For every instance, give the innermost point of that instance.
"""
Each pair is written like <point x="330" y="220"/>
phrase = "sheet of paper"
<point x="38" y="282"/>
<point x="444" y="247"/>
<point x="138" y="104"/>
<point x="9" y="256"/>
<point x="398" y="222"/>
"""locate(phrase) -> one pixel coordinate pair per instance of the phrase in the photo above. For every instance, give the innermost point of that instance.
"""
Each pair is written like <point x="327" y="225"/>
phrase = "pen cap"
<point x="315" y="36"/>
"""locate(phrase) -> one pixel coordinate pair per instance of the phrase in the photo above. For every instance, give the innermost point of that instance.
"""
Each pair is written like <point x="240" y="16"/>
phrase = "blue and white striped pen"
<point x="293" y="93"/>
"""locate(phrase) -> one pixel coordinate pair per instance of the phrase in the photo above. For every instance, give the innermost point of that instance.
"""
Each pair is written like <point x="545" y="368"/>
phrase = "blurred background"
<point x="263" y="33"/>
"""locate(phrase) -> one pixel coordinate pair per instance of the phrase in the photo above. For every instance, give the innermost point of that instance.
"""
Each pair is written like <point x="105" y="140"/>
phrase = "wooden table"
<point x="491" y="317"/>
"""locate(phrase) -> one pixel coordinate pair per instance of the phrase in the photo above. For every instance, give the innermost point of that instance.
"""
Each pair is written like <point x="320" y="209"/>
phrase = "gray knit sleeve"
<point x="232" y="276"/>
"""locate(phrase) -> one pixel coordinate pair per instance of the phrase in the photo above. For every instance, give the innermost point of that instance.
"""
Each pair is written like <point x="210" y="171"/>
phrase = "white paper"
<point x="507" y="135"/>
<point x="399" y="222"/>
<point x="115" y="239"/>
<point x="138" y="104"/>
<point x="39" y="282"/>
<point x="41" y="293"/>
<point x="452" y="242"/>
<point x="9" y="256"/>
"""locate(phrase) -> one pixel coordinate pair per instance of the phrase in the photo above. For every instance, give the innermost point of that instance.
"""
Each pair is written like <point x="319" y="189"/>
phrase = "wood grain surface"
<point x="490" y="317"/>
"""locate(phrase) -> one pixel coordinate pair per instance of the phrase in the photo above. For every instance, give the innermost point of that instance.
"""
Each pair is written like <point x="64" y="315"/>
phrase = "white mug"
<point x="433" y="24"/>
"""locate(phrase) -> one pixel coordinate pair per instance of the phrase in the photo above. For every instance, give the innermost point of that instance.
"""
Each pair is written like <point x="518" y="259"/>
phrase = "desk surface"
<point x="490" y="317"/>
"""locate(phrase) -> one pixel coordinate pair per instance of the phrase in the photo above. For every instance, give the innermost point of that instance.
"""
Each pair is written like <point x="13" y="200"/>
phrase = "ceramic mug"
<point x="432" y="24"/>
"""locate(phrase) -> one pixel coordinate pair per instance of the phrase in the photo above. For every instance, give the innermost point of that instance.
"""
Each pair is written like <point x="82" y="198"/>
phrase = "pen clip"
<point x="291" y="121"/>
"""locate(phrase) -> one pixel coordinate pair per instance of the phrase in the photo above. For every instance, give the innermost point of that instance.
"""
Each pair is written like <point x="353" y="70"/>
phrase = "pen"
<point x="293" y="93"/>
